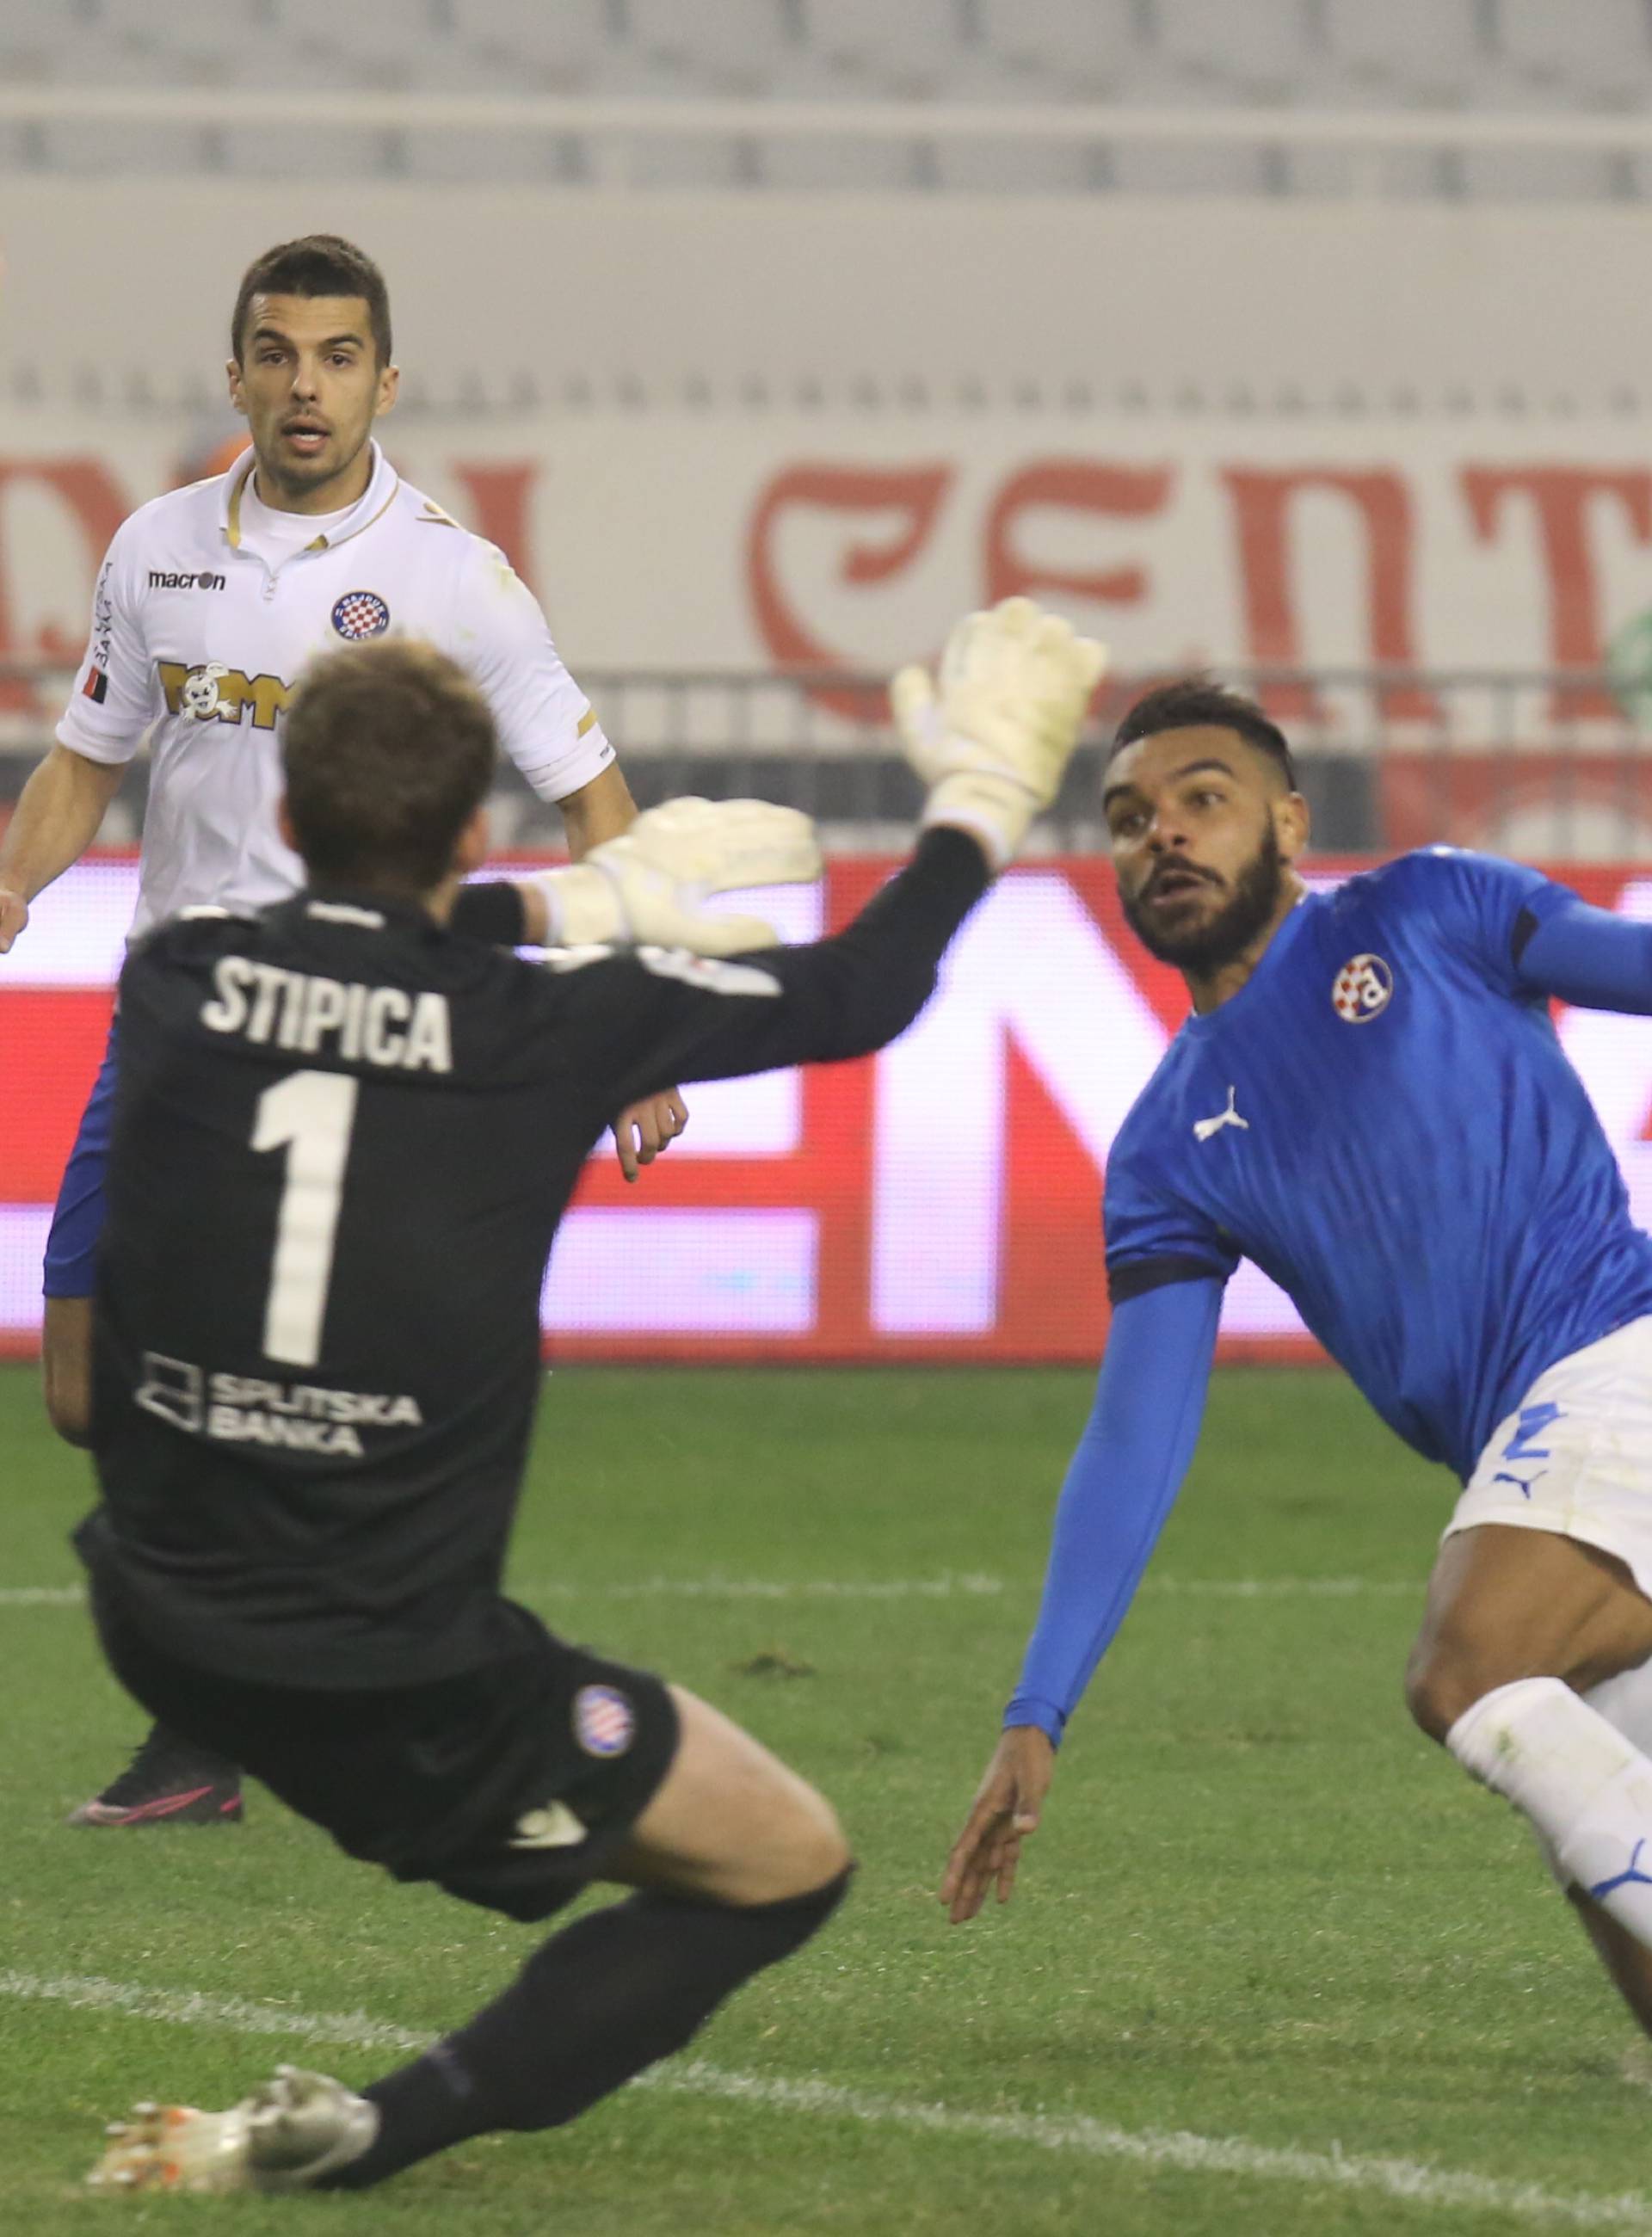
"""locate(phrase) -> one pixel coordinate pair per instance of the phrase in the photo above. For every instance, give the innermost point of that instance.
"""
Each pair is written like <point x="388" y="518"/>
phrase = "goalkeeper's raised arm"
<point x="992" y="741"/>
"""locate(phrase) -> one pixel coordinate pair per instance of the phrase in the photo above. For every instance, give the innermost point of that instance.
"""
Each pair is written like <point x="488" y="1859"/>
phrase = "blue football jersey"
<point x="1383" y="1120"/>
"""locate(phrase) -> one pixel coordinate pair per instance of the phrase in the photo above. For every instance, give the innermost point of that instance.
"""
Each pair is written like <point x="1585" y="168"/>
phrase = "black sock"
<point x="602" y="2000"/>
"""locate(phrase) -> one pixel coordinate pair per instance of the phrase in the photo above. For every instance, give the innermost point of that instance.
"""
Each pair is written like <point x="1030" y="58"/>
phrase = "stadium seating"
<point x="1598" y="54"/>
<point x="1455" y="57"/>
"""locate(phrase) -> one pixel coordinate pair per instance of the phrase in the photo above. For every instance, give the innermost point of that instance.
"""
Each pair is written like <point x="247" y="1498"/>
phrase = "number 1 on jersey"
<point x="310" y="1115"/>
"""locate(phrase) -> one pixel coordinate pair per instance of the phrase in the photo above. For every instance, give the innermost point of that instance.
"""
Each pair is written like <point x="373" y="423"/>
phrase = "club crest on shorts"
<point x="361" y="613"/>
<point x="1362" y="989"/>
<point x="604" y="1720"/>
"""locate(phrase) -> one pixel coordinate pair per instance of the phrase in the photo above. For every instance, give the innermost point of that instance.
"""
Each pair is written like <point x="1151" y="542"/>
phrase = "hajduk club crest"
<point x="361" y="613"/>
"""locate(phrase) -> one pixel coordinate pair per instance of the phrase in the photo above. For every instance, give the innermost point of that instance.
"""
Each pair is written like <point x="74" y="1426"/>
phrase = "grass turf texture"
<point x="1260" y="1908"/>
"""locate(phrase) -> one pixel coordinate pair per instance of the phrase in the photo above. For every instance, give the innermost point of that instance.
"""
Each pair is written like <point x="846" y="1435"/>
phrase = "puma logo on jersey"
<point x="1204" y="1128"/>
<point x="213" y="692"/>
<point x="301" y="1010"/>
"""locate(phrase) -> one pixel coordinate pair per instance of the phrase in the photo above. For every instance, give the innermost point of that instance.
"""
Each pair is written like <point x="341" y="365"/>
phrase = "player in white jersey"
<point x="208" y="605"/>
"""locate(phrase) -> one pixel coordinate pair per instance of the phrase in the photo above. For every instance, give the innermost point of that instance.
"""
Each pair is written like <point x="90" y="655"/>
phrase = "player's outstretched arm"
<point x="1120" y="1486"/>
<point x="1585" y="955"/>
<point x="56" y="820"/>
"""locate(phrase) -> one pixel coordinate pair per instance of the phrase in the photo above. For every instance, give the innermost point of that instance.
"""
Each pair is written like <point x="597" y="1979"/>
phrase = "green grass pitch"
<point x="1262" y="1912"/>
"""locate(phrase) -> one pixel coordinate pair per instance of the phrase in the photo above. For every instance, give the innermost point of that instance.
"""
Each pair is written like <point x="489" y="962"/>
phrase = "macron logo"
<point x="1204" y="1128"/>
<point x="161" y="578"/>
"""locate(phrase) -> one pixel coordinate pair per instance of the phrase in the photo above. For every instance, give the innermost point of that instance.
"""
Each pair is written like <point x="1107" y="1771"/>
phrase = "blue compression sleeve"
<point x="1120" y="1486"/>
<point x="1586" y="956"/>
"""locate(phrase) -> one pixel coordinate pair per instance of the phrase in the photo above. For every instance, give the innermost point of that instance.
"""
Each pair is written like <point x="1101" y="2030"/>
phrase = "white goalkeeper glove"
<point x="648" y="887"/>
<point x="993" y="742"/>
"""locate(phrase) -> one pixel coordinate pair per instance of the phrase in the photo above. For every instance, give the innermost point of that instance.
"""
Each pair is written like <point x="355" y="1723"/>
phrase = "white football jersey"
<point x="196" y="634"/>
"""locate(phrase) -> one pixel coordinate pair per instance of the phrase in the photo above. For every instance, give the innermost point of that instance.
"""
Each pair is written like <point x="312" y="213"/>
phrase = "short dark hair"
<point x="320" y="264"/>
<point x="1196" y="702"/>
<point x="389" y="753"/>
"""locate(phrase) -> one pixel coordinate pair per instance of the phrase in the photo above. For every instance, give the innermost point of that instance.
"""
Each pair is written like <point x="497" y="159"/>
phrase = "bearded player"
<point x="210" y="602"/>
<point x="1370" y="1102"/>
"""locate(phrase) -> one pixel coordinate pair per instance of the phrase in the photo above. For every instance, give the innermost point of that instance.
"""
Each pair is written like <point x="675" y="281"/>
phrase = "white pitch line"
<point x="1410" y="2180"/>
<point x="1285" y="1588"/>
<point x="90" y="1992"/>
<point x="943" y="1588"/>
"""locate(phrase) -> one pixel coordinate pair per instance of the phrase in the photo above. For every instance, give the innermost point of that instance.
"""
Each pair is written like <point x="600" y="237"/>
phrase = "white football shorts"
<point x="1575" y="1455"/>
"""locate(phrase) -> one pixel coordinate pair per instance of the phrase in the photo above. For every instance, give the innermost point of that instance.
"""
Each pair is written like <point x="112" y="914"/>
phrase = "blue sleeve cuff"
<point x="1027" y="1709"/>
<point x="1120" y="1486"/>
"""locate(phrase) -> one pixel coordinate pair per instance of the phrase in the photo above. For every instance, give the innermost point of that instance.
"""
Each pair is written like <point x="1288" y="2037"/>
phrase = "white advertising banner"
<point x="762" y="432"/>
<point x="774" y="542"/>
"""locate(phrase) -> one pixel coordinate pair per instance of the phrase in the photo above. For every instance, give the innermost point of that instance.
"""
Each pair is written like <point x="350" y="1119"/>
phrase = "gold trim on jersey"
<point x="332" y="543"/>
<point x="587" y="722"/>
<point x="232" y="523"/>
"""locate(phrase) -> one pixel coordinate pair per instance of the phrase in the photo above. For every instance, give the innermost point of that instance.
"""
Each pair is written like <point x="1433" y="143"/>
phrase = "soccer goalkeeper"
<point x="342" y="1142"/>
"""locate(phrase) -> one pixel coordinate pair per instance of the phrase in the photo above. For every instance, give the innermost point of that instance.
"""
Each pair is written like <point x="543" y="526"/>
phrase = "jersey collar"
<point x="362" y="907"/>
<point x="382" y="484"/>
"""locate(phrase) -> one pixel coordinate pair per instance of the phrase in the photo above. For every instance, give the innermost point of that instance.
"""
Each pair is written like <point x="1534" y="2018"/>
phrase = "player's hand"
<point x="644" y="1130"/>
<point x="13" y="915"/>
<point x="1008" y="1805"/>
<point x="648" y="886"/>
<point x="992" y="735"/>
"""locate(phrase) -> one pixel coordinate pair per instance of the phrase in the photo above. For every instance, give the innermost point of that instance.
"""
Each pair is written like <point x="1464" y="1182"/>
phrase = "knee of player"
<point x="1442" y="1681"/>
<point x="808" y="1848"/>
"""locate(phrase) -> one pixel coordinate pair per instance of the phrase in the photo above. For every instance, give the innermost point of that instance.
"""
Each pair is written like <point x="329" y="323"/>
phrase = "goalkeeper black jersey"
<point x="343" y="1138"/>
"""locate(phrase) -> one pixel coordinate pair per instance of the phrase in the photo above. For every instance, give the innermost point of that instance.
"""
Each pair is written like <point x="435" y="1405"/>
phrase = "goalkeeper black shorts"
<point x="510" y="1785"/>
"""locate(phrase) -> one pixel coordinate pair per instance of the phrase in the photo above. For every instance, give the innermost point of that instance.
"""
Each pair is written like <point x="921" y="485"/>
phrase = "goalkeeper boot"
<point x="168" y="1782"/>
<point x="286" y="2136"/>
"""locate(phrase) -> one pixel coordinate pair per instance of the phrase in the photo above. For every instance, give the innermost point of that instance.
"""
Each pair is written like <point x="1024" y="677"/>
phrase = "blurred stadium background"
<point x="1305" y="339"/>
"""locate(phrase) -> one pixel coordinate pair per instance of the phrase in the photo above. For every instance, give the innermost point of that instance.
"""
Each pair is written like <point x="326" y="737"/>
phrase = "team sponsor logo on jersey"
<point x="102" y="616"/>
<point x="706" y="970"/>
<point x="162" y="579"/>
<point x="1362" y="989"/>
<point x="171" y="1389"/>
<point x="554" y="1827"/>
<point x="604" y="1720"/>
<point x="212" y="691"/>
<point x="361" y="613"/>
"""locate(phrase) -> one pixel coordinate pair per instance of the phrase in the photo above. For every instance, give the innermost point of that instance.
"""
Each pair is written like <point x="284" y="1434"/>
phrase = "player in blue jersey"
<point x="1370" y="1103"/>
